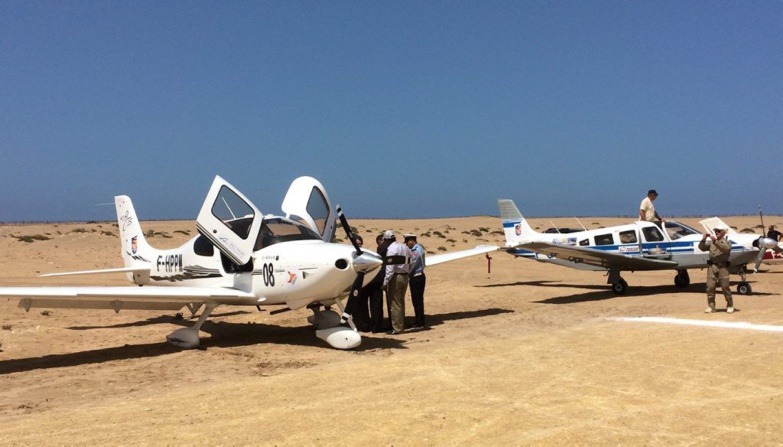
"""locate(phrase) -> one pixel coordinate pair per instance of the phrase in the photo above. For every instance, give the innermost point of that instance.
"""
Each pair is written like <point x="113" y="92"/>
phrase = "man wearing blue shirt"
<point x="417" y="279"/>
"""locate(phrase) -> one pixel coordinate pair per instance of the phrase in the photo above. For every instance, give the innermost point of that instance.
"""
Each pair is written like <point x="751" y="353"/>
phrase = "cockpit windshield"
<point x="275" y="230"/>
<point x="676" y="230"/>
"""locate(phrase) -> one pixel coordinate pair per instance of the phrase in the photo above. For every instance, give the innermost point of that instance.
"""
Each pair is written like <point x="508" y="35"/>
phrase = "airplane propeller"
<point x="362" y="262"/>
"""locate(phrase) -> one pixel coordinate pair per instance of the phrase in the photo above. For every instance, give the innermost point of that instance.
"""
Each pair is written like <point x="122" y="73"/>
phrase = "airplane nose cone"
<point x="366" y="262"/>
<point x="765" y="242"/>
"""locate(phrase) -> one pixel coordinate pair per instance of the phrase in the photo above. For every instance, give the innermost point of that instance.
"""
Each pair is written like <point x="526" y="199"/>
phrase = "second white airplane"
<point x="635" y="246"/>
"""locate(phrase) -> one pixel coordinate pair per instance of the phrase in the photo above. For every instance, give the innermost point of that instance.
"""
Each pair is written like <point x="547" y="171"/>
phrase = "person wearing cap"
<point x="395" y="282"/>
<point x="717" y="267"/>
<point x="647" y="209"/>
<point x="417" y="279"/>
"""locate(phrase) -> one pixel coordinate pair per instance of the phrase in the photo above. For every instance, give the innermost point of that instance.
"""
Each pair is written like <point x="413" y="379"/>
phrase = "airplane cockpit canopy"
<point x="676" y="230"/>
<point x="277" y="229"/>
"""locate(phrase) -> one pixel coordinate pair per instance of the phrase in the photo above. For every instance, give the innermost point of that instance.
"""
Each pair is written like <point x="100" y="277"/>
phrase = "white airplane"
<point x="261" y="260"/>
<point x="635" y="246"/>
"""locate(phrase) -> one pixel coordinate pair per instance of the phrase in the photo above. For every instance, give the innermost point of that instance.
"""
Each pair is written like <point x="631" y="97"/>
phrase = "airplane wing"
<point x="117" y="298"/>
<point x="598" y="258"/>
<point x="446" y="257"/>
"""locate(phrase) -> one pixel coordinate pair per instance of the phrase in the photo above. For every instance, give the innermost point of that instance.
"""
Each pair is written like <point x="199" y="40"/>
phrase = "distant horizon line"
<point x="92" y="221"/>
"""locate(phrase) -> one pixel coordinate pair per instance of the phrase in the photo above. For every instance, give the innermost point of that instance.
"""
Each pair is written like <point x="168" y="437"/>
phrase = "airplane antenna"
<point x="228" y="207"/>
<point x="554" y="226"/>
<point x="580" y="224"/>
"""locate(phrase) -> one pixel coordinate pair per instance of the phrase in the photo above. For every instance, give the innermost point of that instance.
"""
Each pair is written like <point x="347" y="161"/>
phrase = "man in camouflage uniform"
<point x="718" y="270"/>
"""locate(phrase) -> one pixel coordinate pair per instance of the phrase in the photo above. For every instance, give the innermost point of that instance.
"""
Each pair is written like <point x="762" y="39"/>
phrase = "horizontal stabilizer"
<point x="94" y="272"/>
<point x="446" y="257"/>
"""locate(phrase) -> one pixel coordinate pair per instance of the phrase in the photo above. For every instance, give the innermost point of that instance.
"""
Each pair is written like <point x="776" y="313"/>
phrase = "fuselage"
<point x="670" y="241"/>
<point x="290" y="266"/>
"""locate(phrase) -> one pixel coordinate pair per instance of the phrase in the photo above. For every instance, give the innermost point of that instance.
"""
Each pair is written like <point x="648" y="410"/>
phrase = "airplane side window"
<point x="652" y="234"/>
<point x="202" y="247"/>
<point x="234" y="212"/>
<point x="628" y="237"/>
<point x="584" y="242"/>
<point x="317" y="208"/>
<point x="604" y="239"/>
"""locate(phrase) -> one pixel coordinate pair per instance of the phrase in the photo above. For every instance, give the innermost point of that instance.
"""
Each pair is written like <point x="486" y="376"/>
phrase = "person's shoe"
<point x="709" y="310"/>
<point x="729" y="310"/>
<point x="417" y="326"/>
<point x="393" y="332"/>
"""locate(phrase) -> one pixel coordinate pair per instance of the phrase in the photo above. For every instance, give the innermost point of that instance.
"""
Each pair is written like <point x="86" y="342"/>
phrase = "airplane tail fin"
<point x="515" y="227"/>
<point x="135" y="249"/>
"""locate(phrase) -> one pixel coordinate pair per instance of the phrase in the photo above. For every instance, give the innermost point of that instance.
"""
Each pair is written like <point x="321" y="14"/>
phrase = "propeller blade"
<point x="347" y="228"/>
<point x="760" y="258"/>
<point x="353" y="299"/>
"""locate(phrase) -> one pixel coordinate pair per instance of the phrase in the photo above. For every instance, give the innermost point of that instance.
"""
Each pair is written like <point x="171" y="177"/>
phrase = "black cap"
<point x="652" y="191"/>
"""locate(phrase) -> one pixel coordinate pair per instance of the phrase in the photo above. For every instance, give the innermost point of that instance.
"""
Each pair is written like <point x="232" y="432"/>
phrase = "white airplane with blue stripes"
<point x="640" y="245"/>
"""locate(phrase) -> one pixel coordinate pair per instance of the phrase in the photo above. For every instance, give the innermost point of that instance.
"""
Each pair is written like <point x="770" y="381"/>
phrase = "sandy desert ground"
<point x="529" y="354"/>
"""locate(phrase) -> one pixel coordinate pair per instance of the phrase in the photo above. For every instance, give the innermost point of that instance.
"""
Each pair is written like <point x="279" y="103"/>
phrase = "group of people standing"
<point x="394" y="279"/>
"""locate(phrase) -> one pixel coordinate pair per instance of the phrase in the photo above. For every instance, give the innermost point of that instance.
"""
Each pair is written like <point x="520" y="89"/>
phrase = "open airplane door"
<point x="230" y="221"/>
<point x="715" y="222"/>
<point x="307" y="201"/>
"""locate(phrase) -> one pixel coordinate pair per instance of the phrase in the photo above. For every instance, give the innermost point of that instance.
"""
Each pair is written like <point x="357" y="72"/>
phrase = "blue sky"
<point x="402" y="109"/>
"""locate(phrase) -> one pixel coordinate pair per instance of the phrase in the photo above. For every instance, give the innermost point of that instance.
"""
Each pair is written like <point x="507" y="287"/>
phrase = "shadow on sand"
<point x="602" y="292"/>
<point x="223" y="335"/>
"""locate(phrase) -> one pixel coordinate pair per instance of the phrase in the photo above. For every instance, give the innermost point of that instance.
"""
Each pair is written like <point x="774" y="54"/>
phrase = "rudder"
<point x="134" y="246"/>
<point x="515" y="227"/>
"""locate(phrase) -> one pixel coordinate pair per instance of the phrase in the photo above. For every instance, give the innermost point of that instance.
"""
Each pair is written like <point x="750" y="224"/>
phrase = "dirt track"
<point x="528" y="354"/>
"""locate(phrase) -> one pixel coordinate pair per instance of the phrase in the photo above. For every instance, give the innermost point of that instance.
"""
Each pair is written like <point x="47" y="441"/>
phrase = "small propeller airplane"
<point x="261" y="260"/>
<point x="639" y="245"/>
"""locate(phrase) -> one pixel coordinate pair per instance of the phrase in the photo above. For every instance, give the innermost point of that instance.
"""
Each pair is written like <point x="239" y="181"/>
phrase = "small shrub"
<point x="6" y="327"/>
<point x="185" y="232"/>
<point x="45" y="313"/>
<point x="78" y="230"/>
<point x="441" y="248"/>
<point x="30" y="239"/>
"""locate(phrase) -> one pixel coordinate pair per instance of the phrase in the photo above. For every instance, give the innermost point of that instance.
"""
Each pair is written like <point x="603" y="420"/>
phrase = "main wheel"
<point x="620" y="287"/>
<point x="682" y="280"/>
<point x="744" y="288"/>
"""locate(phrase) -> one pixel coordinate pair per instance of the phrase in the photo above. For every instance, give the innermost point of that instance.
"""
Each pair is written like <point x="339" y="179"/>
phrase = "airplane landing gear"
<point x="743" y="287"/>
<point x="682" y="280"/>
<point x="620" y="287"/>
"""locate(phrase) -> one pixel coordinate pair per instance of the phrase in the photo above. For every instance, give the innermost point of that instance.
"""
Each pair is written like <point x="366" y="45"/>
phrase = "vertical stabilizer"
<point x="135" y="249"/>
<point x="515" y="227"/>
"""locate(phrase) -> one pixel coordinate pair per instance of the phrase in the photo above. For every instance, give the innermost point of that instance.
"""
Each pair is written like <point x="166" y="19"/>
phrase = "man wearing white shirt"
<point x="395" y="282"/>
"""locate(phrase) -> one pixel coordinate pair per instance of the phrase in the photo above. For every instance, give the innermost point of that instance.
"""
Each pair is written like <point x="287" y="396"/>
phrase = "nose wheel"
<point x="743" y="287"/>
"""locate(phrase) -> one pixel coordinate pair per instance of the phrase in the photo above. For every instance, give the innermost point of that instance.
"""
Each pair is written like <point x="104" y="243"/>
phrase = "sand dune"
<point x="527" y="354"/>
